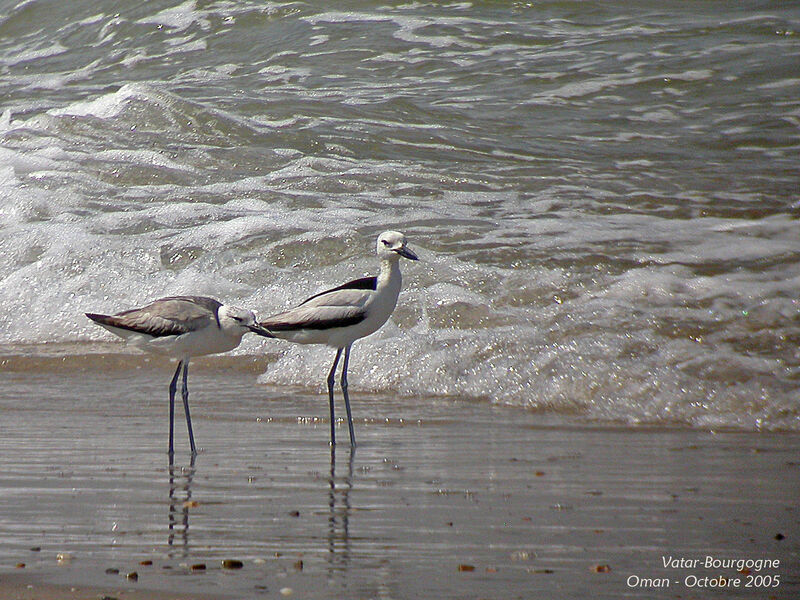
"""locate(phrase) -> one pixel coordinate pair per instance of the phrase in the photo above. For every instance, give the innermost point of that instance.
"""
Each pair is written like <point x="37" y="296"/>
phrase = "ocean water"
<point x="605" y="195"/>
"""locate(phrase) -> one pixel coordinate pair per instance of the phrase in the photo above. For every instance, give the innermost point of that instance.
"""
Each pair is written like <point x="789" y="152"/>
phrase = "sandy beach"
<point x="443" y="498"/>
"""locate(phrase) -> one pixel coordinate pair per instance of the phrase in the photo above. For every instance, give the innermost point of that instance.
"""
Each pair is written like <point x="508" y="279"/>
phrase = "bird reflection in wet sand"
<point x="180" y="500"/>
<point x="339" y="518"/>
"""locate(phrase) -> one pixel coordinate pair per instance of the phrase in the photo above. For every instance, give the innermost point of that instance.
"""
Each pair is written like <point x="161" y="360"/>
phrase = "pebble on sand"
<point x="230" y="563"/>
<point x="601" y="569"/>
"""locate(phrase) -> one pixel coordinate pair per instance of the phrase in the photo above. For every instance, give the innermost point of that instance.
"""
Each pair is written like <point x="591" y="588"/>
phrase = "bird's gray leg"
<point x="331" y="381"/>
<point x="173" y="384"/>
<point x="185" y="394"/>
<point x="346" y="396"/>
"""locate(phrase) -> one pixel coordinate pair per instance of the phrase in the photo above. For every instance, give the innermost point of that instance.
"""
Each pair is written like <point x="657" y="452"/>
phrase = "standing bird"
<point x="182" y="327"/>
<point x="340" y="316"/>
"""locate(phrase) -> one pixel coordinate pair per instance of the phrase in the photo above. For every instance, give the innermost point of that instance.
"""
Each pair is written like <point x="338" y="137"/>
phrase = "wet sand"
<point x="443" y="498"/>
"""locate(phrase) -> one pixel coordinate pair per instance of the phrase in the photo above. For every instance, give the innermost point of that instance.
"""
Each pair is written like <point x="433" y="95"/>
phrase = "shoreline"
<point x="74" y="358"/>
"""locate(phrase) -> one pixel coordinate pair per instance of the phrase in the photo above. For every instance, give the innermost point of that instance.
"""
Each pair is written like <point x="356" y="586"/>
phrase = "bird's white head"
<point x="392" y="245"/>
<point x="238" y="321"/>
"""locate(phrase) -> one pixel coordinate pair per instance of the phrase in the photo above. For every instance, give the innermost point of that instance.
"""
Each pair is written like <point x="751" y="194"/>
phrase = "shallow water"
<point x="605" y="197"/>
<point x="449" y="498"/>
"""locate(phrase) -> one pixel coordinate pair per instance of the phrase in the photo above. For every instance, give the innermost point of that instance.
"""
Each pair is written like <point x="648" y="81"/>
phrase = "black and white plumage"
<point x="340" y="316"/>
<point x="182" y="327"/>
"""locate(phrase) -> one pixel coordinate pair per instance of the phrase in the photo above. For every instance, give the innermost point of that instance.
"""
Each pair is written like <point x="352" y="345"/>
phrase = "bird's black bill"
<point x="260" y="331"/>
<point x="406" y="253"/>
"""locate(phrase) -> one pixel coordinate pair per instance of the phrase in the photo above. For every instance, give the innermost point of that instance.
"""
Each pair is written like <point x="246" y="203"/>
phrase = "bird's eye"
<point x="385" y="242"/>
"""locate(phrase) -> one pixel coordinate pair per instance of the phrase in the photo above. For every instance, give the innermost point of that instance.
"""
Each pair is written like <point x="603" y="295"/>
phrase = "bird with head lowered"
<point x="182" y="327"/>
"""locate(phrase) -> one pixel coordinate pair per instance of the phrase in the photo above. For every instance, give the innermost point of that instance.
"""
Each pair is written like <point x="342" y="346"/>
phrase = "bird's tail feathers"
<point x="102" y="319"/>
